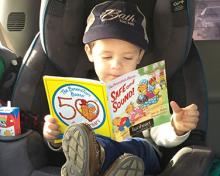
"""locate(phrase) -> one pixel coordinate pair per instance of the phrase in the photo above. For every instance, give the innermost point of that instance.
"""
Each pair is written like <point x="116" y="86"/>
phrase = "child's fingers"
<point x="51" y="126"/>
<point x="191" y="113"/>
<point x="53" y="132"/>
<point x="49" y="136"/>
<point x="175" y="107"/>
<point x="191" y="120"/>
<point x="49" y="118"/>
<point x="191" y="107"/>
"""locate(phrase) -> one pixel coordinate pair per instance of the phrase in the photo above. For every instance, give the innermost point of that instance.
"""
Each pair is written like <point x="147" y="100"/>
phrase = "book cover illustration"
<point x="77" y="100"/>
<point x="139" y="100"/>
<point x="124" y="107"/>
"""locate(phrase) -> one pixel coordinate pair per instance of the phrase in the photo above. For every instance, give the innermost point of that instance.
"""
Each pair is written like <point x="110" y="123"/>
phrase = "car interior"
<point x="191" y="66"/>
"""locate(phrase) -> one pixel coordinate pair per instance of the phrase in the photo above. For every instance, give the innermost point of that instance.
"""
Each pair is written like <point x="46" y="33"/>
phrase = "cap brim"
<point x="118" y="32"/>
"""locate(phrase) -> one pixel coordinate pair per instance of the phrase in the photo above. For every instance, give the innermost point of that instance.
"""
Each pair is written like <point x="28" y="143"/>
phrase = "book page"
<point x="139" y="100"/>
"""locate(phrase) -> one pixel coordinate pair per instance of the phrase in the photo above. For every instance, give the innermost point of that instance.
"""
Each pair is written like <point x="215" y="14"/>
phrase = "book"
<point x="122" y="108"/>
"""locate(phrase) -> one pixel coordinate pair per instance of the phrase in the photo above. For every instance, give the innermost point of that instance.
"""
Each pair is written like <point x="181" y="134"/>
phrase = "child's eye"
<point x="128" y="58"/>
<point x="106" y="57"/>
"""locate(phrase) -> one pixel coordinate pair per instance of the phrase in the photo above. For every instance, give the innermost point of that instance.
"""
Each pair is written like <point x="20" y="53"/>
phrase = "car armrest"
<point x="190" y="161"/>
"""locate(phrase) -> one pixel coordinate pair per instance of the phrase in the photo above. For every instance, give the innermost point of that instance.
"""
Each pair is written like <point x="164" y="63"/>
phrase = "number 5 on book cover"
<point x="121" y="108"/>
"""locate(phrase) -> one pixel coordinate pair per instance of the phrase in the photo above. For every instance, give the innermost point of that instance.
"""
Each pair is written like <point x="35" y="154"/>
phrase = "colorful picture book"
<point x="119" y="109"/>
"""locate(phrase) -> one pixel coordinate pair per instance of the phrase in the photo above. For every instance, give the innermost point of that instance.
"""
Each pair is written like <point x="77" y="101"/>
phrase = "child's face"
<point x="113" y="58"/>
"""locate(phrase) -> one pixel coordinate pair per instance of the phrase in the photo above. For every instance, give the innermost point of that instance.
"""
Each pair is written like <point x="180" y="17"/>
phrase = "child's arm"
<point x="51" y="131"/>
<point x="184" y="119"/>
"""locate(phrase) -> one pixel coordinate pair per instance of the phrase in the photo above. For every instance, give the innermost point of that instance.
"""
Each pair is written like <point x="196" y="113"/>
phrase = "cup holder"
<point x="24" y="134"/>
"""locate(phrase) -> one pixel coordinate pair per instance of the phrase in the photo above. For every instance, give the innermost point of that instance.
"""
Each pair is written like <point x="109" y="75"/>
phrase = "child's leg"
<point x="84" y="156"/>
<point x="136" y="146"/>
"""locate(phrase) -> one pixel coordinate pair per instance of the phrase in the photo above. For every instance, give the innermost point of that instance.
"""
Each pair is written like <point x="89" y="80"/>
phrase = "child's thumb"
<point x="175" y="107"/>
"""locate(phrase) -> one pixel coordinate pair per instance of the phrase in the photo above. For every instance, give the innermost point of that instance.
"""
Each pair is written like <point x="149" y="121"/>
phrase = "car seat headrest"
<point x="169" y="29"/>
<point x="61" y="29"/>
<point x="173" y="28"/>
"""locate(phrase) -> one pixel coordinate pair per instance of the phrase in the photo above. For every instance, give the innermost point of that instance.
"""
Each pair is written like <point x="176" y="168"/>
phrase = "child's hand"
<point x="184" y="119"/>
<point x="51" y="128"/>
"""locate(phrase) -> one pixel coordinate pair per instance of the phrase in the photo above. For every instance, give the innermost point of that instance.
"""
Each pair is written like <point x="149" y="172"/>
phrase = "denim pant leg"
<point x="136" y="146"/>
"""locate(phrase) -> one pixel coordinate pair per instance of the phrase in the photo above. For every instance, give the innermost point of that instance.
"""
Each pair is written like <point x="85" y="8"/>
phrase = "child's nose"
<point x="116" y="63"/>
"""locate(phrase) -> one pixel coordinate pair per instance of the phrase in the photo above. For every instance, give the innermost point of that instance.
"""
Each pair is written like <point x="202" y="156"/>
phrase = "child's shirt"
<point x="165" y="135"/>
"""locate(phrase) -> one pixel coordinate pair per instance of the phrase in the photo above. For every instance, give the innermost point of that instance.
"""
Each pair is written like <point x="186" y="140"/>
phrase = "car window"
<point x="211" y="12"/>
<point x="207" y="20"/>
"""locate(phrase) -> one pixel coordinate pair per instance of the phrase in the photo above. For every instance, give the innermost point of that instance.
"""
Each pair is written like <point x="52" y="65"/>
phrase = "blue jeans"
<point x="136" y="146"/>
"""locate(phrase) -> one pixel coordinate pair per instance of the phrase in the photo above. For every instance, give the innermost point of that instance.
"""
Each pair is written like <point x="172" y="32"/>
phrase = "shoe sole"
<point x="126" y="165"/>
<point x="76" y="149"/>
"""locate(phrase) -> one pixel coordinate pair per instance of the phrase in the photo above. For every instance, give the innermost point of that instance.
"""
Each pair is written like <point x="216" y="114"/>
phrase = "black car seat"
<point x="58" y="50"/>
<point x="9" y="67"/>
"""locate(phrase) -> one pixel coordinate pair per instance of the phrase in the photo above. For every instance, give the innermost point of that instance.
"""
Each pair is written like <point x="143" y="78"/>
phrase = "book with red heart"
<point x="119" y="109"/>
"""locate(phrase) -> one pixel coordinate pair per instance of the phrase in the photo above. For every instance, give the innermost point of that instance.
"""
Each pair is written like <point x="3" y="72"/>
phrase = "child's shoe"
<point x="83" y="153"/>
<point x="84" y="156"/>
<point x="126" y="165"/>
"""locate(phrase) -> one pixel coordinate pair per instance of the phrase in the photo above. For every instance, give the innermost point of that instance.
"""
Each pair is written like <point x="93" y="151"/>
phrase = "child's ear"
<point x="88" y="51"/>
<point x="141" y="54"/>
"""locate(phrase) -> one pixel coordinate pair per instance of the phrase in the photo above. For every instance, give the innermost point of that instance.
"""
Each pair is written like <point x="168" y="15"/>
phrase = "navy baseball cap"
<point x="118" y="20"/>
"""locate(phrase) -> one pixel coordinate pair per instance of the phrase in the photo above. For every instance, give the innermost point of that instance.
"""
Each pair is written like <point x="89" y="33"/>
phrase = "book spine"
<point x="108" y="114"/>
